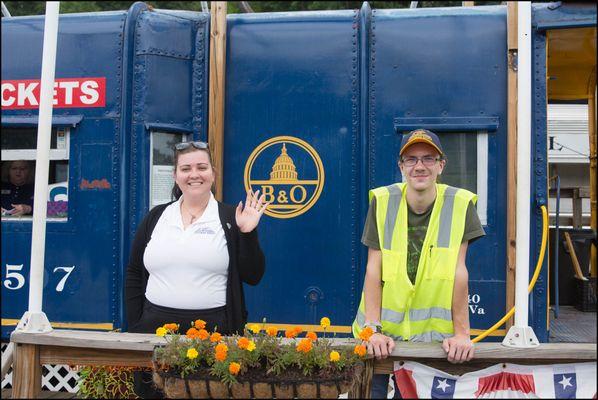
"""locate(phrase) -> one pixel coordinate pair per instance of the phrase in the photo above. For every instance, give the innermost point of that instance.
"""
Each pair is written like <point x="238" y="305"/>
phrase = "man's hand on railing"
<point x="459" y="348"/>
<point x="380" y="346"/>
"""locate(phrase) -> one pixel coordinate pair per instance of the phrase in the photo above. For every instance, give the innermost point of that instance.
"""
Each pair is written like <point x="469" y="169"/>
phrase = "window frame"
<point x="62" y="154"/>
<point x="184" y="137"/>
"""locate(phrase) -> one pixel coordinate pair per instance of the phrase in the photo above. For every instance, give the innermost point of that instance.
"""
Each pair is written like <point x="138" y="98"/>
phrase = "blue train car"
<point x="128" y="85"/>
<point x="316" y="105"/>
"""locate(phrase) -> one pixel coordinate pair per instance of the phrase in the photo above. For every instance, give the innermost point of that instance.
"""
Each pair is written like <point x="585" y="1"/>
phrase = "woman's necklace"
<point x="193" y="217"/>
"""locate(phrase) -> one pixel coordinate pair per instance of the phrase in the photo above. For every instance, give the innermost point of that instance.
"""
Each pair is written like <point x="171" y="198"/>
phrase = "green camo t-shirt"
<point x="417" y="226"/>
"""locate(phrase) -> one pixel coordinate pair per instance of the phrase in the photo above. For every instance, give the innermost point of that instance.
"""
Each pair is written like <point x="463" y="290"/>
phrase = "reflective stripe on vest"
<point x="420" y="312"/>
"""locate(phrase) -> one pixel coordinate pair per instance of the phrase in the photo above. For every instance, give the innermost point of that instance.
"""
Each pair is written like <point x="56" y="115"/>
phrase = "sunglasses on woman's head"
<point x="186" y="145"/>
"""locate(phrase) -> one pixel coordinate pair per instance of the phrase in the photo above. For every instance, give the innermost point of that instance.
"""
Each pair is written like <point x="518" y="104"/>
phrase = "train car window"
<point x="467" y="165"/>
<point x="161" y="166"/>
<point x="18" y="173"/>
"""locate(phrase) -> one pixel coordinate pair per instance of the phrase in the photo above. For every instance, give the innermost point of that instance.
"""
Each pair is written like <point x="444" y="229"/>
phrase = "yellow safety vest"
<point x="418" y="312"/>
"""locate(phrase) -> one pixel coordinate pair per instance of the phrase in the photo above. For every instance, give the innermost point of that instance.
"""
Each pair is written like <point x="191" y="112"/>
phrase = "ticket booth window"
<point x="19" y="148"/>
<point x="162" y="166"/>
<point x="467" y="165"/>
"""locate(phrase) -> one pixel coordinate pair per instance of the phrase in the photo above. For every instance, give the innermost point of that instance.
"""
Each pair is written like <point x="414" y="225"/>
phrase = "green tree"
<point x="18" y="8"/>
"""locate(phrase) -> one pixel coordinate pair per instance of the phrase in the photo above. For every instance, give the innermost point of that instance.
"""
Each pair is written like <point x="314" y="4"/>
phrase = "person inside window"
<point x="17" y="193"/>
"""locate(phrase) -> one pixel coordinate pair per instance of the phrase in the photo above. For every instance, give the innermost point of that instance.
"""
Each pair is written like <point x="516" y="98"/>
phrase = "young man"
<point x="416" y="280"/>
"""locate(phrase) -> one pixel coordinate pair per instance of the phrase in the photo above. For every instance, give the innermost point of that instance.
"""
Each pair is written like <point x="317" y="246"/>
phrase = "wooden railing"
<point x="71" y="347"/>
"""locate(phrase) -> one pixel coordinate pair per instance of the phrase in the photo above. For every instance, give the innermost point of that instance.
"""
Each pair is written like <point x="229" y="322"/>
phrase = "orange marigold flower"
<point x="272" y="331"/>
<point x="298" y="330"/>
<point x="221" y="347"/>
<point x="215" y="337"/>
<point x="325" y="322"/>
<point x="192" y="333"/>
<point x="234" y="368"/>
<point x="304" y="346"/>
<point x="311" y="336"/>
<point x="366" y="333"/>
<point x="243" y="343"/>
<point x="290" y="333"/>
<point x="172" y="327"/>
<point x="360" y="350"/>
<point x="200" y="324"/>
<point x="221" y="355"/>
<point x="203" y="334"/>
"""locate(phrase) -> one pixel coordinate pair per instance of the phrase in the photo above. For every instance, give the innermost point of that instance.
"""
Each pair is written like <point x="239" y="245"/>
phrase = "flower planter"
<point x="286" y="386"/>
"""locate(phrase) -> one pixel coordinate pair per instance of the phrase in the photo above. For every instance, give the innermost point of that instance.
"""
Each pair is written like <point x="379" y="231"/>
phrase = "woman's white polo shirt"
<point x="188" y="268"/>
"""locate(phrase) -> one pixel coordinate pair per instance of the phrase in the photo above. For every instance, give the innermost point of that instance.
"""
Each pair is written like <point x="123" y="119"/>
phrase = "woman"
<point x="190" y="257"/>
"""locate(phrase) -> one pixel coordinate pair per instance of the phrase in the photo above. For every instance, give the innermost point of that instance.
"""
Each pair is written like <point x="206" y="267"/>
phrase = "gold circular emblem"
<point x="289" y="172"/>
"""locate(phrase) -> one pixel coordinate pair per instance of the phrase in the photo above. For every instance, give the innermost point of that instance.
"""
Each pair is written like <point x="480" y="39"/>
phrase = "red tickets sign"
<point x="68" y="93"/>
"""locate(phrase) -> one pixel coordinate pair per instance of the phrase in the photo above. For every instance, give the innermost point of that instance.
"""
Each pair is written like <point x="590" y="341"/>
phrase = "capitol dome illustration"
<point x="284" y="167"/>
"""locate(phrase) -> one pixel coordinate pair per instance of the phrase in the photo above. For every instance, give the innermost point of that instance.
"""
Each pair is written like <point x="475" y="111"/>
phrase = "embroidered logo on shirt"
<point x="205" y="231"/>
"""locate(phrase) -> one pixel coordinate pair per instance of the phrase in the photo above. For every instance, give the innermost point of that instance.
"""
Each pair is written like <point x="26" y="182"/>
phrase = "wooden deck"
<point x="130" y="349"/>
<point x="44" y="394"/>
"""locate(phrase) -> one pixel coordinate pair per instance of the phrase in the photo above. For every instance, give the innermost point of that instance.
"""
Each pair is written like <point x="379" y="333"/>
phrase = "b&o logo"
<point x="289" y="172"/>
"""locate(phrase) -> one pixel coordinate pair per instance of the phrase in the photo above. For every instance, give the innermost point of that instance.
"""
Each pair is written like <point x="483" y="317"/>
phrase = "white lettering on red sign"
<point x="68" y="93"/>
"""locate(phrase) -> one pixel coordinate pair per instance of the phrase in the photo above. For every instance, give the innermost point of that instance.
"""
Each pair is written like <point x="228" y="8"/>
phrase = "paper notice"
<point x="162" y="182"/>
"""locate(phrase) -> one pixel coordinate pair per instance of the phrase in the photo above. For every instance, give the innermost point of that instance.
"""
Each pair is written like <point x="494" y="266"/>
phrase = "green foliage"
<point x="19" y="8"/>
<point x="106" y="383"/>
<point x="260" y="348"/>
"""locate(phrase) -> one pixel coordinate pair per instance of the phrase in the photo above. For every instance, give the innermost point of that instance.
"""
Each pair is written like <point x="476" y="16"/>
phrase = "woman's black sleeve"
<point x="252" y="262"/>
<point x="135" y="282"/>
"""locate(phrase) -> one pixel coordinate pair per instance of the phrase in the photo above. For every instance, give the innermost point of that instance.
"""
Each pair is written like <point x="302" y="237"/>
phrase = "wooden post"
<point x="217" y="82"/>
<point x="511" y="156"/>
<point x="27" y="376"/>
<point x="593" y="173"/>
<point x="574" y="260"/>
<point x="576" y="205"/>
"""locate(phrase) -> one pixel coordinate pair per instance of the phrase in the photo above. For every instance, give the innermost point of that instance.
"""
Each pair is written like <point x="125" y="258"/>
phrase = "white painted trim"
<point x="482" y="177"/>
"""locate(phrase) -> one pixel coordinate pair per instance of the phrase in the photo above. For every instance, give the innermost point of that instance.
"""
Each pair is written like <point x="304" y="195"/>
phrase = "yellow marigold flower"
<point x="200" y="324"/>
<point x="334" y="356"/>
<point x="234" y="368"/>
<point x="251" y="346"/>
<point x="203" y="334"/>
<point x="304" y="346"/>
<point x="221" y="347"/>
<point x="243" y="343"/>
<point x="192" y="353"/>
<point x="215" y="337"/>
<point x="311" y="336"/>
<point x="325" y="322"/>
<point x="255" y="328"/>
<point x="360" y="350"/>
<point x="366" y="333"/>
<point x="172" y="327"/>
<point x="272" y="331"/>
<point x="221" y="355"/>
<point x="161" y="331"/>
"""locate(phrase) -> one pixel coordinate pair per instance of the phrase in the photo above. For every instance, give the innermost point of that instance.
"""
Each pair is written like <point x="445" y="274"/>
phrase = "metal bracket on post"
<point x="34" y="322"/>
<point x="521" y="336"/>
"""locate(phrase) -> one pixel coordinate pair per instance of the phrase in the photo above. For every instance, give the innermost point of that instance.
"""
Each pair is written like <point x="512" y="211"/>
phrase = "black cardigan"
<point x="246" y="264"/>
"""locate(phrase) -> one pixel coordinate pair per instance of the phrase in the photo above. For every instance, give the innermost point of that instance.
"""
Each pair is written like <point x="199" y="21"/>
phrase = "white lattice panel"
<point x="55" y="378"/>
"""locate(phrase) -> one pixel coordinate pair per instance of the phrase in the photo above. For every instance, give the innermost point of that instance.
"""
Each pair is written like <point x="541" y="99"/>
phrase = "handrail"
<point x="532" y="282"/>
